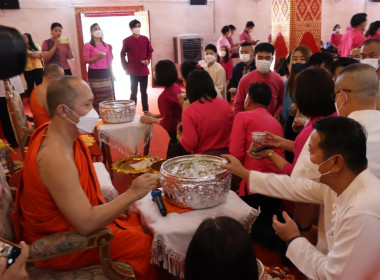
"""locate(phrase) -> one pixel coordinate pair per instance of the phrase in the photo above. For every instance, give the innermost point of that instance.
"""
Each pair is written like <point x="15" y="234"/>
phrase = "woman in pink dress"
<point x="207" y="121"/>
<point x="98" y="56"/>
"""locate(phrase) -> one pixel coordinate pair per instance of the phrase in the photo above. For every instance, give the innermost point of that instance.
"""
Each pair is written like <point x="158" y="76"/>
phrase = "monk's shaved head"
<point x="374" y="41"/>
<point x="63" y="90"/>
<point x="361" y="79"/>
<point x="53" y="70"/>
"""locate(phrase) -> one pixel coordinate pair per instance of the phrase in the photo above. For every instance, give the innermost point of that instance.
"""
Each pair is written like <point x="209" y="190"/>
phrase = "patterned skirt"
<point x="101" y="85"/>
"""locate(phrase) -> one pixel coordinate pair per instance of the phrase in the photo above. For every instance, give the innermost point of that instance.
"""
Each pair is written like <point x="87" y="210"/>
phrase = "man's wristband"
<point x="304" y="229"/>
<point x="291" y="239"/>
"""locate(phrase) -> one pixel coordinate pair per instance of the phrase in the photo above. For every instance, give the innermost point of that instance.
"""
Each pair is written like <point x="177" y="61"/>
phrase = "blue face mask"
<point x="298" y="67"/>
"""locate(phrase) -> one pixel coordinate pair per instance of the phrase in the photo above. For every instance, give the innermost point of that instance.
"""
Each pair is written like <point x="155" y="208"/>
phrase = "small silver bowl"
<point x="117" y="111"/>
<point x="259" y="137"/>
<point x="195" y="181"/>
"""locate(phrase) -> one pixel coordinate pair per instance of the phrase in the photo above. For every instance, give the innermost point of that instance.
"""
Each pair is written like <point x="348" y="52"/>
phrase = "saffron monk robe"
<point x="59" y="190"/>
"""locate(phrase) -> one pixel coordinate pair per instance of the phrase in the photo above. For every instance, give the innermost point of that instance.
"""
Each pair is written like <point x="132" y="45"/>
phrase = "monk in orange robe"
<point x="38" y="105"/>
<point x="53" y="199"/>
<point x="38" y="95"/>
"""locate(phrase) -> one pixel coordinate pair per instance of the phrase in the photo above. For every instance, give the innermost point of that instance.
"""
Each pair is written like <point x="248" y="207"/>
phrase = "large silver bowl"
<point x="117" y="111"/>
<point x="195" y="181"/>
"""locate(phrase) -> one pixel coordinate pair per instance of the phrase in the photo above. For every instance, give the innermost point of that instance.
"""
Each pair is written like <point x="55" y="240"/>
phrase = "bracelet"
<point x="291" y="239"/>
<point x="269" y="155"/>
<point x="306" y="228"/>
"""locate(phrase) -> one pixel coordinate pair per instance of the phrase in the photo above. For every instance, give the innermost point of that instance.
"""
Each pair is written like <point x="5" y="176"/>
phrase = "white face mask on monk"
<point x="86" y="123"/>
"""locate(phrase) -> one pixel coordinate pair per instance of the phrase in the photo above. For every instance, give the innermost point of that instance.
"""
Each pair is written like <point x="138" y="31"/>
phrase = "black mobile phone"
<point x="263" y="147"/>
<point x="9" y="250"/>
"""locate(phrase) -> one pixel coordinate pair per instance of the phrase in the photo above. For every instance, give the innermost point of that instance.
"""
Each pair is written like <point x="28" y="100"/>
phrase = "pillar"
<point x="296" y="22"/>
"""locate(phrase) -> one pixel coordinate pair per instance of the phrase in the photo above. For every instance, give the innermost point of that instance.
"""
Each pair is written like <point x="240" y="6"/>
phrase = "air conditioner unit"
<point x="187" y="47"/>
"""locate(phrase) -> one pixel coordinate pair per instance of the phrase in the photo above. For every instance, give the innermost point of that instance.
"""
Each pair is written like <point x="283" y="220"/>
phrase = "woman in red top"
<point x="226" y="62"/>
<point x="170" y="110"/>
<point x="207" y="121"/>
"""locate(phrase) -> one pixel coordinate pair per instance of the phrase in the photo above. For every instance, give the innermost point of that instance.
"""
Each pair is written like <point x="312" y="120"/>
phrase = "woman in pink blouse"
<point x="335" y="37"/>
<point x="165" y="74"/>
<point x="313" y="89"/>
<point x="224" y="40"/>
<point x="98" y="56"/>
<point x="207" y="121"/>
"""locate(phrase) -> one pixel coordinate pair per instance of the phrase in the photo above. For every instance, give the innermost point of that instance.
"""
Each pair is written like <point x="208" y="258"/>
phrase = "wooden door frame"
<point x="100" y="10"/>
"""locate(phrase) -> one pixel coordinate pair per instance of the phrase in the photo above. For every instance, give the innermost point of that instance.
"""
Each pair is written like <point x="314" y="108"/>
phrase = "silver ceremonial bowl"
<point x="195" y="181"/>
<point x="117" y="111"/>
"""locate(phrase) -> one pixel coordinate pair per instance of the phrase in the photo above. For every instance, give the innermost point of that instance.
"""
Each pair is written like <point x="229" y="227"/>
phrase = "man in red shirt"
<point x="263" y="74"/>
<point x="244" y="36"/>
<point x="256" y="118"/>
<point x="139" y="51"/>
<point x="353" y="38"/>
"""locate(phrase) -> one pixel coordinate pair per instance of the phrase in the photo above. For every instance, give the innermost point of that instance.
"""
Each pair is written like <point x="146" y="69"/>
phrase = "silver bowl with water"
<point x="195" y="181"/>
<point x="117" y="111"/>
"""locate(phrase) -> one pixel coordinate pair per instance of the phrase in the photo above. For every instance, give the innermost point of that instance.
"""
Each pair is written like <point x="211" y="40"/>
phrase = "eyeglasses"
<point x="333" y="95"/>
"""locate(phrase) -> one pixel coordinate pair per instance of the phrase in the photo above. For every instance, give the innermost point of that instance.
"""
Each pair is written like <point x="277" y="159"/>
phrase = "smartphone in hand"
<point x="9" y="250"/>
<point x="263" y="147"/>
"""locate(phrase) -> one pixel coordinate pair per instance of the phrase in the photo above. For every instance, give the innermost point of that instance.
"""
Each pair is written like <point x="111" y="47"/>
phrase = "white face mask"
<point x="374" y="62"/>
<point x="263" y="65"/>
<point x="136" y="30"/>
<point x="312" y="169"/>
<point x="98" y="33"/>
<point x="245" y="57"/>
<point x="210" y="58"/>
<point x="336" y="103"/>
<point x="338" y="30"/>
<point x="86" y="123"/>
<point x="222" y="53"/>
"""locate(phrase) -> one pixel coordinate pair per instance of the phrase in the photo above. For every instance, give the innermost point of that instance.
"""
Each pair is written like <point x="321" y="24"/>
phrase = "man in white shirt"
<point x="216" y="71"/>
<point x="338" y="166"/>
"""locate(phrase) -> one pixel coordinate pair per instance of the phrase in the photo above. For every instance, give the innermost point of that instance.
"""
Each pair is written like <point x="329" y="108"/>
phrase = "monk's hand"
<point x="18" y="269"/>
<point x="235" y="167"/>
<point x="143" y="185"/>
<point x="286" y="231"/>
